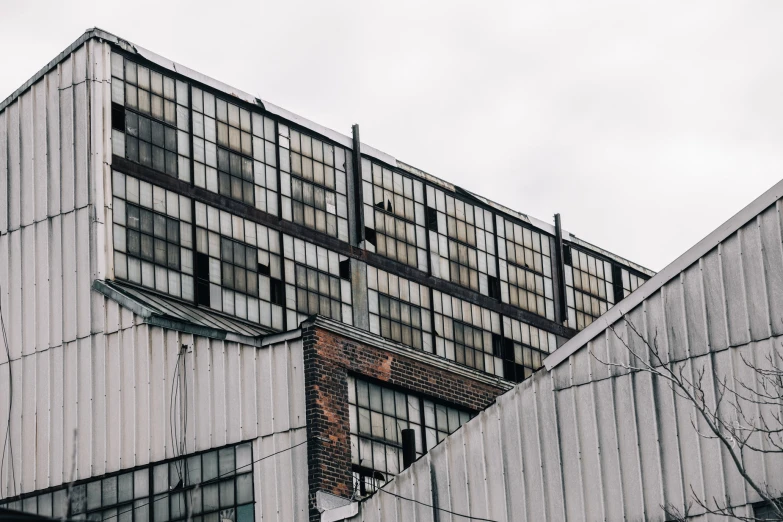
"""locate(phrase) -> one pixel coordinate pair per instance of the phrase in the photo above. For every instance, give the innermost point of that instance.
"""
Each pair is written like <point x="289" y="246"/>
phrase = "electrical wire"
<point x="469" y="517"/>
<point x="172" y="401"/>
<point x="8" y="440"/>
<point x="165" y="497"/>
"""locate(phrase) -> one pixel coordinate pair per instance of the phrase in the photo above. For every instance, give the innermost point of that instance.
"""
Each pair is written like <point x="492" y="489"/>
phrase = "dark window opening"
<point x="567" y="255"/>
<point x="345" y="269"/>
<point x="432" y="219"/>
<point x="369" y="236"/>
<point x="263" y="269"/>
<point x="202" y="292"/>
<point x="202" y="266"/>
<point x="617" y="283"/>
<point x="277" y="292"/>
<point x="117" y="117"/>
<point x="494" y="287"/>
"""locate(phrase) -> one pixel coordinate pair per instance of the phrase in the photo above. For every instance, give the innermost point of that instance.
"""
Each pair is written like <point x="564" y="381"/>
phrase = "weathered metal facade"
<point x="583" y="440"/>
<point x="266" y="218"/>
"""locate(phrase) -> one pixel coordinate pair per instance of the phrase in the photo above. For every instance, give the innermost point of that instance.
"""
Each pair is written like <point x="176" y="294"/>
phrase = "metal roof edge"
<point x="636" y="266"/>
<point x="673" y="269"/>
<point x="88" y="34"/>
<point x="123" y="300"/>
<point x="336" y="136"/>
<point x="377" y="341"/>
<point x="155" y="318"/>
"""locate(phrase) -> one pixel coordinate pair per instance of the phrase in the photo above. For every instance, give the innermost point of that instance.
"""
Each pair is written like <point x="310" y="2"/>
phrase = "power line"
<point x="469" y="517"/>
<point x="8" y="439"/>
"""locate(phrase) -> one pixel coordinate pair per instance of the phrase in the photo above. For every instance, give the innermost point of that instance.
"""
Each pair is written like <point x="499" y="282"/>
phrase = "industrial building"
<point x="219" y="310"/>
<point x="602" y="433"/>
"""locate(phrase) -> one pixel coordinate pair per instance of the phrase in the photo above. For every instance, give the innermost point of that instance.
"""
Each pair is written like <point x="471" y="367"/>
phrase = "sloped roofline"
<point x="671" y="271"/>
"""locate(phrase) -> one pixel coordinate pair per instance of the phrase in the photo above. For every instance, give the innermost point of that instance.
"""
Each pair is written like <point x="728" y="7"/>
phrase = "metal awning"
<point x="167" y="312"/>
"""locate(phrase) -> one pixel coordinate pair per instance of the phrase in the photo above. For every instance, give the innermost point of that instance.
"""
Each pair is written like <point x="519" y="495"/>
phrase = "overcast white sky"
<point x="645" y="124"/>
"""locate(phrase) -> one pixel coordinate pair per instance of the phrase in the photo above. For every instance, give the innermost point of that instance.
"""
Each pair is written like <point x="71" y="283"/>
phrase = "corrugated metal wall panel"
<point x="583" y="442"/>
<point x="475" y="471"/>
<point x="116" y="391"/>
<point x="54" y="141"/>
<point x="40" y="167"/>
<point x="4" y="171"/>
<point x="281" y="481"/>
<point x="26" y="144"/>
<point x="14" y="165"/>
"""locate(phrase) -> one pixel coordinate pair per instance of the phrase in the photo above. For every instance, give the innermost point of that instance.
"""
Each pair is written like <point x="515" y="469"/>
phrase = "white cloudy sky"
<point x="646" y="124"/>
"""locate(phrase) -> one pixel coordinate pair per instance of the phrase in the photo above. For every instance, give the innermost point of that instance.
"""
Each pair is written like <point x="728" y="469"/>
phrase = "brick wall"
<point x="328" y="360"/>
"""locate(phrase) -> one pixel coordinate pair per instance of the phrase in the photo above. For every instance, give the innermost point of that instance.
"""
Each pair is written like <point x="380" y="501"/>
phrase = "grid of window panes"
<point x="462" y="243"/>
<point x="152" y="236"/>
<point x="239" y="265"/>
<point x="467" y="333"/>
<point x="378" y="415"/>
<point x="313" y="183"/>
<point x="589" y="288"/>
<point x="394" y="209"/>
<point x="313" y="283"/>
<point x="399" y="309"/>
<point x="526" y="348"/>
<point x="630" y="282"/>
<point x="525" y="268"/>
<point x="216" y="485"/>
<point x="234" y="151"/>
<point x="150" y="118"/>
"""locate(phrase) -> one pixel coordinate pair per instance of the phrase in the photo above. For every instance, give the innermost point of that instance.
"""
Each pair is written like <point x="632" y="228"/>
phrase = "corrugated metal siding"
<point x="116" y="389"/>
<point x="591" y="442"/>
<point x="50" y="233"/>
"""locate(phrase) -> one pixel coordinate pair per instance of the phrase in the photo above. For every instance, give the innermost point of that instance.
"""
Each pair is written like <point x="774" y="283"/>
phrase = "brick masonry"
<point x="329" y="359"/>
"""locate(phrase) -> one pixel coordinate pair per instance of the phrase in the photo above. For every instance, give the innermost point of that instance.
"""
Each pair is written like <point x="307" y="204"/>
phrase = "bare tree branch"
<point x="744" y="416"/>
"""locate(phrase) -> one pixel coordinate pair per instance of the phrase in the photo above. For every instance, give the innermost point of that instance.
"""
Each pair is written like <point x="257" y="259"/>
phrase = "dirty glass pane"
<point x="227" y="461"/>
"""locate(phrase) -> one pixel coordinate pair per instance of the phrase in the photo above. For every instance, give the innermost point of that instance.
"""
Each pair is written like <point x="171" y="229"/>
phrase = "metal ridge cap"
<point x="357" y="334"/>
<point x="692" y="255"/>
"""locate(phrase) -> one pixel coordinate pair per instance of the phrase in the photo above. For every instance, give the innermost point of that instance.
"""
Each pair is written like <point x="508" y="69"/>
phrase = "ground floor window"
<point x="212" y="486"/>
